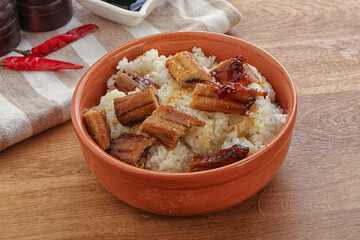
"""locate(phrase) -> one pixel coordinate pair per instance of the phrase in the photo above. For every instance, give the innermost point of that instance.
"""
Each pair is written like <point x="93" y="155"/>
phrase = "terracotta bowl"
<point x="184" y="194"/>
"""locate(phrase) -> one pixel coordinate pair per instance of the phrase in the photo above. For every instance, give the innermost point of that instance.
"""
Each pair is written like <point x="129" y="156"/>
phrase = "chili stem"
<point x="23" y="52"/>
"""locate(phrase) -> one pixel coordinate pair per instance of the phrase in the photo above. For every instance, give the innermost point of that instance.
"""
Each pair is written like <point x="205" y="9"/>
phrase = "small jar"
<point x="9" y="26"/>
<point x="43" y="15"/>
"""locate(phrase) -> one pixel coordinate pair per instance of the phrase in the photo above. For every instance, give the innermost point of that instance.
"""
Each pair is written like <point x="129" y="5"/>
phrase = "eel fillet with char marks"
<point x="96" y="123"/>
<point x="186" y="70"/>
<point x="231" y="98"/>
<point x="231" y="70"/>
<point x="135" y="108"/>
<point x="132" y="148"/>
<point x="168" y="124"/>
<point x="128" y="82"/>
<point x="201" y="162"/>
<point x="235" y="70"/>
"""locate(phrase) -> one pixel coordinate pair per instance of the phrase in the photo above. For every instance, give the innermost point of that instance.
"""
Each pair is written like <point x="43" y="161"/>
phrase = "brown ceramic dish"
<point x="184" y="194"/>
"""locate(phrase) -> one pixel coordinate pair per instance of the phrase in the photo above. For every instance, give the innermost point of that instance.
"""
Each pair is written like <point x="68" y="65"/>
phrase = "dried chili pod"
<point x="57" y="42"/>
<point x="30" y="63"/>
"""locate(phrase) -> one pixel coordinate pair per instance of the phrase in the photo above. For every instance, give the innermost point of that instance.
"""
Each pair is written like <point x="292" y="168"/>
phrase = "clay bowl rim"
<point x="170" y="176"/>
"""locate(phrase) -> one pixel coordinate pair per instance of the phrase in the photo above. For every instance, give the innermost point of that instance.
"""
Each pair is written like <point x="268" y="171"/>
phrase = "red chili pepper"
<point x="57" y="42"/>
<point x="30" y="63"/>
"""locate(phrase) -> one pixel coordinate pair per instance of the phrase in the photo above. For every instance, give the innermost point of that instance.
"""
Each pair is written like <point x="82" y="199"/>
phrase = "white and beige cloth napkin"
<point x="31" y="102"/>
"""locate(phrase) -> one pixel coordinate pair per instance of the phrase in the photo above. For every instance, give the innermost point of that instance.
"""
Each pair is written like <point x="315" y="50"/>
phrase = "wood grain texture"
<point x="48" y="192"/>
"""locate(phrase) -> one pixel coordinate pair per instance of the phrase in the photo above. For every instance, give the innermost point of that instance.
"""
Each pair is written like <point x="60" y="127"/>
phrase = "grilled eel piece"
<point x="229" y="98"/>
<point x="231" y="70"/>
<point x="98" y="127"/>
<point x="235" y="70"/>
<point x="201" y="162"/>
<point x="186" y="70"/>
<point x="132" y="148"/>
<point x="134" y="108"/>
<point x="168" y="124"/>
<point x="128" y="82"/>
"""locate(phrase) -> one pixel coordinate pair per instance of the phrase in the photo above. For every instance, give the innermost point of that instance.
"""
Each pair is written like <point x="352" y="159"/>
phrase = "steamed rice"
<point x="254" y="130"/>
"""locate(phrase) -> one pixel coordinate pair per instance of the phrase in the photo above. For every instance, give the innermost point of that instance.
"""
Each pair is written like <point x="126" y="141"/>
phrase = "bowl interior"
<point x="93" y="84"/>
<point x="221" y="46"/>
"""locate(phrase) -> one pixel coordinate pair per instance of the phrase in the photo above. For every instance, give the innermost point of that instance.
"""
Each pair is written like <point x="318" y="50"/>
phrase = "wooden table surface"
<point x="48" y="192"/>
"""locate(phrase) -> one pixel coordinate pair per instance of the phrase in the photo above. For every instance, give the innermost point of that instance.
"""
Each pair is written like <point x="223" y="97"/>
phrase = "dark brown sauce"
<point x="231" y="71"/>
<point x="228" y="90"/>
<point x="201" y="162"/>
<point x="231" y="89"/>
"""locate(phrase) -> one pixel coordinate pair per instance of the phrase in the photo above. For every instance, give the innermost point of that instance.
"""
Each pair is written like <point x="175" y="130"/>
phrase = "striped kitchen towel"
<point x="31" y="102"/>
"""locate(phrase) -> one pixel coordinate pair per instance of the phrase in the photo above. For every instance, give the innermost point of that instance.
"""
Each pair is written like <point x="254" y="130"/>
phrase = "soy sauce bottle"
<point x="9" y="26"/>
<point x="43" y="15"/>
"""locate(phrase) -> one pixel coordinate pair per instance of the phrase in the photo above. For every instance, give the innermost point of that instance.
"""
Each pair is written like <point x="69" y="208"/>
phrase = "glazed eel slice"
<point x="202" y="162"/>
<point x="134" y="108"/>
<point x="186" y="70"/>
<point x="98" y="127"/>
<point x="230" y="98"/>
<point x="168" y="124"/>
<point x="231" y="70"/>
<point x="235" y="70"/>
<point x="132" y="148"/>
<point x="128" y="82"/>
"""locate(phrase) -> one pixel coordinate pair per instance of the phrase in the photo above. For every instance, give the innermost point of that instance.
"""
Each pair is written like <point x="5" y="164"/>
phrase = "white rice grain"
<point x="254" y="130"/>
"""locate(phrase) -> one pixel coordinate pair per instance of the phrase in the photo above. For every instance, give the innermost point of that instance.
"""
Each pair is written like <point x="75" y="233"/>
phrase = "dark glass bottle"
<point x="43" y="15"/>
<point x="9" y="26"/>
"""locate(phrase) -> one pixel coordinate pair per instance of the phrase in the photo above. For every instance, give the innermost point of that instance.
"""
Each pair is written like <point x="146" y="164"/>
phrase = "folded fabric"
<point x="31" y="102"/>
